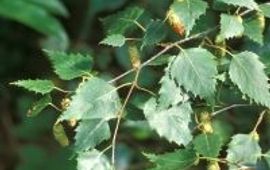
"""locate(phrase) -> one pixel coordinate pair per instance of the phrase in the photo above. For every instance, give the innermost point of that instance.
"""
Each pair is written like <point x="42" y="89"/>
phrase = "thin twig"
<point x="119" y="116"/>
<point x="228" y="108"/>
<point x="259" y="121"/>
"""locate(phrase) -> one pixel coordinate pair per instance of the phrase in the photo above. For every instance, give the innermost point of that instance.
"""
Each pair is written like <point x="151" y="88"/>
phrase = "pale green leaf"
<point x="208" y="145"/>
<point x="115" y="40"/>
<point x="188" y="11"/>
<point x="38" y="86"/>
<point x="179" y="159"/>
<point x="254" y="29"/>
<point x="231" y="26"/>
<point x="195" y="69"/>
<point x="170" y="93"/>
<point x="60" y="134"/>
<point x="155" y="32"/>
<point x="90" y="133"/>
<point x="69" y="66"/>
<point x="243" y="150"/>
<point x="172" y="123"/>
<point x="265" y="8"/>
<point x="39" y="106"/>
<point x="92" y="160"/>
<point x="122" y="21"/>
<point x="247" y="72"/>
<point x="94" y="99"/>
<point x="251" y="4"/>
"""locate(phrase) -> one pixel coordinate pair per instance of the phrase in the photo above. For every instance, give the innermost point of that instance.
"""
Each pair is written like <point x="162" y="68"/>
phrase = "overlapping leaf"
<point x="39" y="106"/>
<point x="38" y="86"/>
<point x="180" y="159"/>
<point x="254" y="28"/>
<point x="90" y="133"/>
<point x="69" y="66"/>
<point x="251" y="4"/>
<point x="114" y="40"/>
<point x="155" y="32"/>
<point x="231" y="26"/>
<point x="243" y="150"/>
<point x="92" y="160"/>
<point x="195" y="69"/>
<point x="247" y="72"/>
<point x="265" y="9"/>
<point x="188" y="11"/>
<point x="172" y="123"/>
<point x="208" y="145"/>
<point x="122" y="21"/>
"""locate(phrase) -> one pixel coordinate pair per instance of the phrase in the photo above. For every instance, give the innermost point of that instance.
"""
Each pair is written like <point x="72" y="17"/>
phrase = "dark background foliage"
<point x="28" y="143"/>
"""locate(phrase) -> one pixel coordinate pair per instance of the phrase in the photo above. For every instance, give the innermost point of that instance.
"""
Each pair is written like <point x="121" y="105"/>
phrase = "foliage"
<point x="205" y="75"/>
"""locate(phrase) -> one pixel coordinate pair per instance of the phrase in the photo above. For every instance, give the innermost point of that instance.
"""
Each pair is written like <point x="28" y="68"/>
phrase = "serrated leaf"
<point x="90" y="133"/>
<point x="122" y="21"/>
<point x="38" y="86"/>
<point x="155" y="32"/>
<point x="170" y="93"/>
<point x="60" y="134"/>
<point x="251" y="4"/>
<point x="243" y="150"/>
<point x="69" y="66"/>
<point x="172" y="123"/>
<point x="195" y="69"/>
<point x="92" y="160"/>
<point x="265" y="9"/>
<point x="231" y="26"/>
<point x="254" y="29"/>
<point x="208" y="145"/>
<point x="188" y="11"/>
<point x="247" y="72"/>
<point x="39" y="106"/>
<point x="179" y="159"/>
<point x="94" y="99"/>
<point x="115" y="40"/>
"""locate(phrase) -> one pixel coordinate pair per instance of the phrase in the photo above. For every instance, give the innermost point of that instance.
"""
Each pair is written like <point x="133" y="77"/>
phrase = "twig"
<point x="167" y="48"/>
<point x="119" y="116"/>
<point x="259" y="121"/>
<point x="228" y="108"/>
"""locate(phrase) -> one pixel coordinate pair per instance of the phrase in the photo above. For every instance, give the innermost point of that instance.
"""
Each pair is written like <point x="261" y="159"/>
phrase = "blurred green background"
<point x="28" y="26"/>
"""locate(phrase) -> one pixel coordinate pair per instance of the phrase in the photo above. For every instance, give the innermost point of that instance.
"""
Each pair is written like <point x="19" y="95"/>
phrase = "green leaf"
<point x="195" y="69"/>
<point x="173" y="123"/>
<point x="188" y="11"/>
<point x="243" y="150"/>
<point x="231" y="26"/>
<point x="208" y="145"/>
<point x="122" y="21"/>
<point x="94" y="99"/>
<point x="90" y="133"/>
<point x="170" y="93"/>
<point x="251" y="4"/>
<point x="155" y="32"/>
<point x="254" y="29"/>
<point x="247" y="72"/>
<point x="53" y="6"/>
<point x="92" y="160"/>
<point x="36" y="17"/>
<point x="39" y="106"/>
<point x="161" y="60"/>
<point x="179" y="159"/>
<point x="69" y="66"/>
<point x="38" y="86"/>
<point x="60" y="134"/>
<point x="115" y="40"/>
<point x="265" y="8"/>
